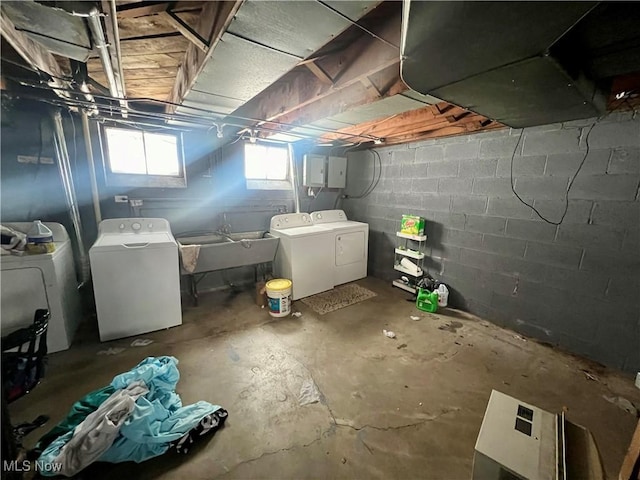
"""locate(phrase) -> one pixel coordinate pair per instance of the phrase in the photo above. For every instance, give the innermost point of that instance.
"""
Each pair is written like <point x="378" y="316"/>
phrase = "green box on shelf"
<point x="412" y="225"/>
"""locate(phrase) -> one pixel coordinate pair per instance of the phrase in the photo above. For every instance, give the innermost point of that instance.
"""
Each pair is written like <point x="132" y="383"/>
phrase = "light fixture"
<point x="253" y="136"/>
<point x="378" y="141"/>
<point x="621" y="95"/>
<point x="219" y="128"/>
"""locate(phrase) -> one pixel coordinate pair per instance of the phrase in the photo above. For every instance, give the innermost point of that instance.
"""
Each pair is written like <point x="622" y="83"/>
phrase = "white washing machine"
<point x="351" y="244"/>
<point x="46" y="280"/>
<point x="136" y="277"/>
<point x="304" y="254"/>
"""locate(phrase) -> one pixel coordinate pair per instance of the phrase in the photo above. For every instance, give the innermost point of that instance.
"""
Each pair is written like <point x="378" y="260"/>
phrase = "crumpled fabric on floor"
<point x="95" y="434"/>
<point x="208" y="425"/>
<point x="158" y="418"/>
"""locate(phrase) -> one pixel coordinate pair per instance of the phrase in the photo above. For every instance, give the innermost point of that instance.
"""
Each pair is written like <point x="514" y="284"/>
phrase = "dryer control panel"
<point x="328" y="216"/>
<point x="134" y="225"/>
<point x="290" y="220"/>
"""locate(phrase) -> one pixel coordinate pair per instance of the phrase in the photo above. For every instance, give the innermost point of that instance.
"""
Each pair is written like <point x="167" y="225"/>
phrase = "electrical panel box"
<point x="313" y="174"/>
<point x="337" y="172"/>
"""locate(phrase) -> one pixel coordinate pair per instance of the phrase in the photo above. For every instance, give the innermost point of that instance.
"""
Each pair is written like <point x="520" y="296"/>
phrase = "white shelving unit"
<point x="411" y="247"/>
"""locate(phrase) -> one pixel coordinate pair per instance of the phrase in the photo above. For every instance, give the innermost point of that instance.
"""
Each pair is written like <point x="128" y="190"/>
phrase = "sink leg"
<point x="194" y="289"/>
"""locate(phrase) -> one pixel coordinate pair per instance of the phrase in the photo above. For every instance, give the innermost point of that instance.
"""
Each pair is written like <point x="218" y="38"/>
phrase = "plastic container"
<point x="40" y="238"/>
<point x="279" y="297"/>
<point x="427" y="301"/>
<point x="443" y="295"/>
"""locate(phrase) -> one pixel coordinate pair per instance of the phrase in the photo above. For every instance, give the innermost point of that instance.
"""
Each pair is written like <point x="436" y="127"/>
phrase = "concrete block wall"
<point x="576" y="285"/>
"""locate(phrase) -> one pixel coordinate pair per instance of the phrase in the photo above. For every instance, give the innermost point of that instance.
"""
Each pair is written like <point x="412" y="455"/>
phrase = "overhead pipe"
<point x="64" y="167"/>
<point x="116" y="40"/>
<point x="294" y="178"/>
<point x="95" y="25"/>
<point x="92" y="168"/>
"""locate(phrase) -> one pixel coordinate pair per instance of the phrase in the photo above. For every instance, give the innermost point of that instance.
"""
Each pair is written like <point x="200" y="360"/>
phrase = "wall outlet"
<point x="121" y="198"/>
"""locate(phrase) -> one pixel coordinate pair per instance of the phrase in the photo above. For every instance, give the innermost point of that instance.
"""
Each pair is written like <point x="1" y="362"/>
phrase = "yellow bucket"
<point x="279" y="297"/>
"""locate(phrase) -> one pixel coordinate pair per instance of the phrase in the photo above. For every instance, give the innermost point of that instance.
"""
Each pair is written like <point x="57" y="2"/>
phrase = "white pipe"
<point x="92" y="168"/>
<point x="116" y="40"/>
<point x="294" y="178"/>
<point x="64" y="166"/>
<point x="101" y="44"/>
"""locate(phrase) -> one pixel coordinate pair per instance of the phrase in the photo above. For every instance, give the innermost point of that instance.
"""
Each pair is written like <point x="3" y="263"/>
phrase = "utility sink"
<point x="219" y="251"/>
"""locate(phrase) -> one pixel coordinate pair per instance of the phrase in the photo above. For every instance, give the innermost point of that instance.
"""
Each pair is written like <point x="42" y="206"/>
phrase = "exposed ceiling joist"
<point x="33" y="53"/>
<point x="345" y="99"/>
<point x="135" y="10"/>
<point x="188" y="32"/>
<point x="214" y="20"/>
<point x="300" y="88"/>
<point x="319" y="73"/>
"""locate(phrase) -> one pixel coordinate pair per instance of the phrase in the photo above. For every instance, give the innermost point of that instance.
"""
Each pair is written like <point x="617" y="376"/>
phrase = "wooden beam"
<point x="185" y="30"/>
<point x="214" y="20"/>
<point x="33" y="53"/>
<point x="135" y="10"/>
<point x="368" y="84"/>
<point x="362" y="58"/>
<point x="319" y="73"/>
<point x="343" y="100"/>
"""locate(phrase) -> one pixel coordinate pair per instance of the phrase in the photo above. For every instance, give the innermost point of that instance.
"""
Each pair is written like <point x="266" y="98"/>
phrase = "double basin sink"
<point x="219" y="251"/>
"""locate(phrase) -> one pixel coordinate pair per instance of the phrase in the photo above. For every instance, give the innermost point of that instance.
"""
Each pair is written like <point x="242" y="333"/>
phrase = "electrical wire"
<point x="374" y="181"/>
<point x="573" y="177"/>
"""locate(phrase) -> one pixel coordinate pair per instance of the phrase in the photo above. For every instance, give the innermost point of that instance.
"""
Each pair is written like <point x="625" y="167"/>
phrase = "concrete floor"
<point x="388" y="412"/>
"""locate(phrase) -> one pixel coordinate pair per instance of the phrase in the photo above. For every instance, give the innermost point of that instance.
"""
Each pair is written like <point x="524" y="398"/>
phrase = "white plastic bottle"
<point x="40" y="238"/>
<point x="443" y="295"/>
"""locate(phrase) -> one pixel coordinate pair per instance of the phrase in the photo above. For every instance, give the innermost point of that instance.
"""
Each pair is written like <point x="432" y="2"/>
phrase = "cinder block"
<point x="468" y="204"/>
<point x="566" y="164"/>
<point x="509" y="266"/>
<point x="553" y="254"/>
<point x="605" y="187"/>
<point x="530" y="165"/>
<point x="625" y="288"/>
<point x="604" y="237"/>
<point x="576" y="282"/>
<point x="451" y="220"/>
<point x="476" y="167"/>
<point x="414" y="170"/>
<point x="611" y="212"/>
<point x="402" y="185"/>
<point x="404" y="156"/>
<point x="558" y="141"/>
<point x="509" y="207"/>
<point x="625" y="160"/>
<point x="577" y="212"/>
<point x="456" y="186"/>
<point x="613" y="135"/>
<point x="542" y="187"/>
<point x="462" y="238"/>
<point x="631" y="242"/>
<point x="531" y="230"/>
<point x="442" y="251"/>
<point x="514" y="308"/>
<point x="504" y="245"/>
<point x="485" y="224"/>
<point x="429" y="153"/>
<point x="391" y="171"/>
<point x="456" y="151"/>
<point x="411" y="200"/>
<point x="421" y="185"/>
<point x="436" y="202"/>
<point x="493" y="187"/>
<point x="445" y="168"/>
<point x="499" y="147"/>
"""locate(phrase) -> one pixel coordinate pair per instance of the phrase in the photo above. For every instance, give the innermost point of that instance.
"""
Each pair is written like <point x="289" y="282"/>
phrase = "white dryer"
<point x="136" y="277"/>
<point x="351" y="244"/>
<point x="304" y="255"/>
<point x="46" y="280"/>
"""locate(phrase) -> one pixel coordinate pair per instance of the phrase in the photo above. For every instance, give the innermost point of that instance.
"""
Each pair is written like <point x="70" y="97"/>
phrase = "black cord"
<point x="374" y="180"/>
<point x="566" y="197"/>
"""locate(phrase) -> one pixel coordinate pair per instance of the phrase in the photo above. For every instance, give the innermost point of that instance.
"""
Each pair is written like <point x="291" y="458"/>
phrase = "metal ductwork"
<point x="519" y="63"/>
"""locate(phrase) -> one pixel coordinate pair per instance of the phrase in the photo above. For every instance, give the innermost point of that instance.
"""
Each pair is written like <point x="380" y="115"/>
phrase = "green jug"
<point x="427" y="301"/>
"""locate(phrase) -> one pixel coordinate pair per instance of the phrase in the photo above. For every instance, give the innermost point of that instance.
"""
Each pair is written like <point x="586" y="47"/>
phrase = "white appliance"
<point x="136" y="277"/>
<point x="520" y="441"/>
<point x="304" y="255"/>
<point x="46" y="280"/>
<point x="351" y="244"/>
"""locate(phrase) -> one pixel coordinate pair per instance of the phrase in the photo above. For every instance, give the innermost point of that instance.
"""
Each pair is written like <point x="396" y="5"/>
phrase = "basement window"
<point x="143" y="159"/>
<point x="266" y="166"/>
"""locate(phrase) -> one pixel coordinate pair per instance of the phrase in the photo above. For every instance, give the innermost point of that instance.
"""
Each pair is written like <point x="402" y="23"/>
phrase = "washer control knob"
<point x="136" y="226"/>
<point x="319" y="216"/>
<point x="150" y="226"/>
<point x="286" y="220"/>
<point x="121" y="226"/>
